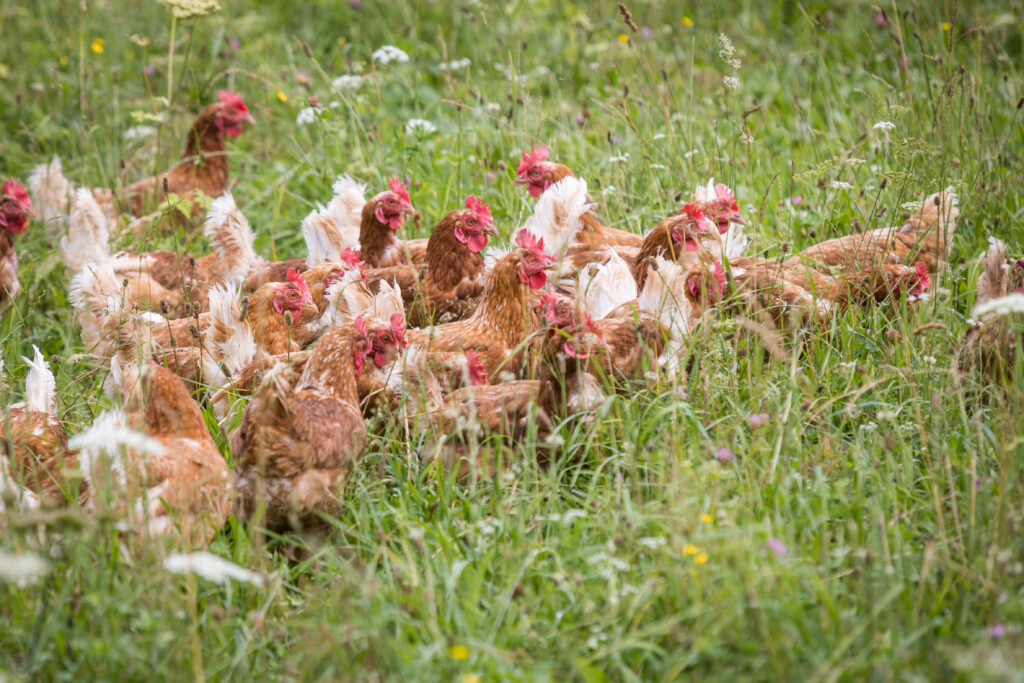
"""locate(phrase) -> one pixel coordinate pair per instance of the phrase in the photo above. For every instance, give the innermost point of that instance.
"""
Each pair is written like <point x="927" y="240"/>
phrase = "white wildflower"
<point x="1004" y="305"/>
<point x="930" y="360"/>
<point x="454" y="65"/>
<point x="420" y="126"/>
<point x="888" y="415"/>
<point x="139" y="132"/>
<point x="747" y="139"/>
<point x="659" y="136"/>
<point x="652" y="542"/>
<point x="388" y="54"/>
<point x="910" y="206"/>
<point x="869" y="427"/>
<point x="620" y="158"/>
<point x="691" y="153"/>
<point x="611" y="189"/>
<point x="306" y="116"/>
<point x="660" y="167"/>
<point x="492" y="107"/>
<point x="727" y="50"/>
<point x="730" y="82"/>
<point x="22" y="569"/>
<point x="923" y="296"/>
<point x="840" y="185"/>
<point x="854" y="161"/>
<point x="211" y="568"/>
<point x="884" y="125"/>
<point x="847" y="364"/>
<point x="347" y="82"/>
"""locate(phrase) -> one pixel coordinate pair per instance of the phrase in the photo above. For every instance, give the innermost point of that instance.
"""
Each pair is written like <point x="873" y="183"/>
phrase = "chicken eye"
<point x="470" y="221"/>
<point x="292" y="295"/>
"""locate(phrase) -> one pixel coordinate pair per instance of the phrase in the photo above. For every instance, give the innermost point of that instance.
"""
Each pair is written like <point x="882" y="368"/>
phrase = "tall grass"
<point x="869" y="529"/>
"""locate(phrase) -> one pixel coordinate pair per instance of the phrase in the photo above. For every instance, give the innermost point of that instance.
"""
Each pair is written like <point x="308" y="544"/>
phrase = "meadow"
<point x="845" y="509"/>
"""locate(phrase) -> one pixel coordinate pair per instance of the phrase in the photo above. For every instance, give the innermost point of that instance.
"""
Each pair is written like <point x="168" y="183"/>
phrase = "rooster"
<point x="538" y="174"/>
<point x="203" y="166"/>
<point x="995" y="343"/>
<point x="15" y="207"/>
<point x="35" y="444"/>
<point x="505" y="316"/>
<point x="168" y="475"/>
<point x="298" y="440"/>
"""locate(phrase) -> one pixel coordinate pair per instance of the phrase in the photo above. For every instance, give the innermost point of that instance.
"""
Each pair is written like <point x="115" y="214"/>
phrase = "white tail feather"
<point x="96" y="294"/>
<point x="608" y="288"/>
<point x="664" y="296"/>
<point x="346" y="207"/>
<point x="232" y="346"/>
<point x="556" y="217"/>
<point x="88" y="238"/>
<point x="323" y="238"/>
<point x="231" y="238"/>
<point x="50" y="189"/>
<point x="40" y="385"/>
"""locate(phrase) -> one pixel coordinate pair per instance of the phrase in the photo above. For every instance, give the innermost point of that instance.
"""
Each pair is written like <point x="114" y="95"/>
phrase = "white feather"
<point x="346" y="207"/>
<point x="107" y="438"/>
<point x="735" y="241"/>
<point x="40" y="386"/>
<point x="88" y="238"/>
<point x="230" y="237"/>
<point x="664" y="296"/>
<point x="323" y="238"/>
<point x="25" y="499"/>
<point x="608" y="288"/>
<point x="50" y="189"/>
<point x="556" y="217"/>
<point x="230" y="355"/>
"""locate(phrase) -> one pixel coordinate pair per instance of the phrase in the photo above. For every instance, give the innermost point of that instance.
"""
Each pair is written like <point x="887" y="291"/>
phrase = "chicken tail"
<point x="557" y="218"/>
<point x="40" y="386"/>
<point x="50" y="189"/>
<point x="324" y="239"/>
<point x="229" y="338"/>
<point x="97" y="294"/>
<point x="992" y="283"/>
<point x="608" y="288"/>
<point x="346" y="207"/>
<point x="231" y="237"/>
<point x="88" y="237"/>
<point x="932" y="227"/>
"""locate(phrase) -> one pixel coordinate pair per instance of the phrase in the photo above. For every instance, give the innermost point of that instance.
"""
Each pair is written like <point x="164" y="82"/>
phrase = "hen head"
<point x="719" y="204"/>
<point x="581" y="344"/>
<point x="379" y="344"/>
<point x="475" y="369"/>
<point x="1017" y="276"/>
<point x="705" y="285"/>
<point x="558" y="311"/>
<point x="533" y="260"/>
<point x="15" y="206"/>
<point x="230" y="115"/>
<point x="473" y="224"/>
<point x="349" y="261"/>
<point x="917" y="282"/>
<point x="393" y="205"/>
<point x="293" y="296"/>
<point x="535" y="171"/>
<point x="690" y="228"/>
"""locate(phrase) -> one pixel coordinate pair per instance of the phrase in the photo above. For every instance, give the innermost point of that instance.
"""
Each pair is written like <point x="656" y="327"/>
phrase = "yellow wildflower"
<point x="623" y="38"/>
<point x="281" y="96"/>
<point x="689" y="549"/>
<point x="706" y="518"/>
<point x="470" y="678"/>
<point x="701" y="559"/>
<point x="459" y="653"/>
<point x="687" y="22"/>
<point x="63" y="61"/>
<point x="945" y="26"/>
<point x="97" y="46"/>
<point x="342" y="40"/>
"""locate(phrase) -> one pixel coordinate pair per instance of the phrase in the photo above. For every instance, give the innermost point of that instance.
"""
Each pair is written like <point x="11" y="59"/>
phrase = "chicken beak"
<point x="520" y="180"/>
<point x="737" y="219"/>
<point x="249" y="119"/>
<point x="491" y="229"/>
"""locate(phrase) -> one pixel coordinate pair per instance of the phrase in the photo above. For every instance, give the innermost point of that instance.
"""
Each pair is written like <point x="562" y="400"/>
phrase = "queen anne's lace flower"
<point x="347" y="82"/>
<point x="884" y="125"/>
<point x="211" y="568"/>
<point x="421" y="126"/>
<point x="388" y="54"/>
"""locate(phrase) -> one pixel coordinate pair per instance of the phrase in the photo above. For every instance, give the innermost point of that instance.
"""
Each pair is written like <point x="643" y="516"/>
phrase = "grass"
<point x="870" y="529"/>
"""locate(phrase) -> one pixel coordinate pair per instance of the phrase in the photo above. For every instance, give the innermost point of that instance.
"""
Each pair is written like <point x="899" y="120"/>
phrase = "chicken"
<point x="539" y="174"/>
<point x="381" y="218"/>
<point x="683" y="237"/>
<point x="505" y="316"/>
<point x="557" y="218"/>
<point x="926" y="237"/>
<point x="718" y="203"/>
<point x="157" y="462"/>
<point x="203" y="166"/>
<point x="15" y="206"/>
<point x="451" y="280"/>
<point x="994" y="345"/>
<point x="35" y="445"/>
<point x="603" y="288"/>
<point x="296" y="444"/>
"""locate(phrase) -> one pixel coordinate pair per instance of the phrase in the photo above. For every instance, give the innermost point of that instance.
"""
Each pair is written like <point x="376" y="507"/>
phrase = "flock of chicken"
<point x="447" y="332"/>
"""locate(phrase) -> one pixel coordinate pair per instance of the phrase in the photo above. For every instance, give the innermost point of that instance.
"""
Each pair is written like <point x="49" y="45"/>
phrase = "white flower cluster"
<point x="728" y="53"/>
<point x="619" y="159"/>
<point x="884" y="125"/>
<point x="421" y="126"/>
<point x="22" y="569"/>
<point x="1004" y="305"/>
<point x="730" y="82"/>
<point x="347" y="82"/>
<point x="211" y="568"/>
<point x="840" y="185"/>
<point x="454" y="65"/>
<point x="388" y="54"/>
<point x="139" y="132"/>
<point x="307" y="116"/>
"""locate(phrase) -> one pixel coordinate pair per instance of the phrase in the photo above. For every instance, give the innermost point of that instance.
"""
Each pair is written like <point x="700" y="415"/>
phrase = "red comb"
<point x="527" y="240"/>
<point x="350" y="256"/>
<point x="360" y="325"/>
<point x="923" y="281"/>
<point x="398" y="328"/>
<point x="398" y="188"/>
<point x="477" y="376"/>
<point x="233" y="99"/>
<point x="13" y="188"/>
<point x="479" y="207"/>
<point x="536" y="154"/>
<point x="719" y="274"/>
<point x="296" y="278"/>
<point x="725" y="195"/>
